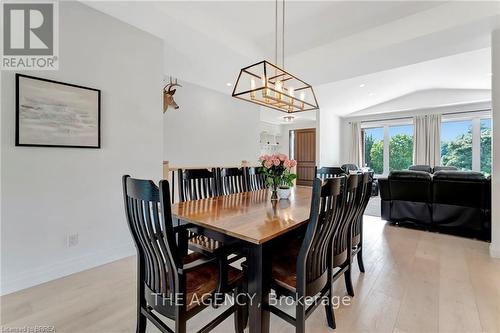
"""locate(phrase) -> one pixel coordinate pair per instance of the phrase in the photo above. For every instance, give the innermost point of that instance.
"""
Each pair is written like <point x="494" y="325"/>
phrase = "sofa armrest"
<point x="384" y="190"/>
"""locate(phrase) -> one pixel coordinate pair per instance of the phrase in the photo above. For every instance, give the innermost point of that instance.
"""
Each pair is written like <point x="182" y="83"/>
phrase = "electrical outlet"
<point x="72" y="240"/>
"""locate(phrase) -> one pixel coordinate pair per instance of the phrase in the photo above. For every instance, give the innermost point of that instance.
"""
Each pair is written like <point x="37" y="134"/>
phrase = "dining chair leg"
<point x="300" y="318"/>
<point x="361" y="265"/>
<point x="243" y="295"/>
<point x="180" y="325"/>
<point x="141" y="322"/>
<point x="348" y="281"/>
<point x="141" y="301"/>
<point x="330" y="313"/>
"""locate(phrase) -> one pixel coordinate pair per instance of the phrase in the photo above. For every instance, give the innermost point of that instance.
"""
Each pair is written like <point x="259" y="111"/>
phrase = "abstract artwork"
<point x="56" y="114"/>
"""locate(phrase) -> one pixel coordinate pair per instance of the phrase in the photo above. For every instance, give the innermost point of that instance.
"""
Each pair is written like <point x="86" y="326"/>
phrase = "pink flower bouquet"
<point x="276" y="168"/>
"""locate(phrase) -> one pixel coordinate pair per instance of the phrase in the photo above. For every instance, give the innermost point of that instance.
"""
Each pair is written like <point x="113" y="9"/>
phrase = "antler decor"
<point x="168" y="95"/>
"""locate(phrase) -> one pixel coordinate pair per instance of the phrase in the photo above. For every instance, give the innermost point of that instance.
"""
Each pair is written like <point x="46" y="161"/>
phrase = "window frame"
<point x="363" y="152"/>
<point x="475" y="119"/>
<point x="474" y="116"/>
<point x="385" y="124"/>
<point x="490" y="118"/>
<point x="473" y="130"/>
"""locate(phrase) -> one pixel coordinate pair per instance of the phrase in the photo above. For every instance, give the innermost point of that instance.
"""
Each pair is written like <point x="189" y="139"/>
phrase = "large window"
<point x="465" y="143"/>
<point x="373" y="150"/>
<point x="485" y="147"/>
<point x="456" y="144"/>
<point x="400" y="147"/>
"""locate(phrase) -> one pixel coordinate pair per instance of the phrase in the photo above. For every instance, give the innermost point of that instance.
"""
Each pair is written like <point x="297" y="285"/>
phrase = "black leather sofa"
<point x="448" y="201"/>
<point x="429" y="169"/>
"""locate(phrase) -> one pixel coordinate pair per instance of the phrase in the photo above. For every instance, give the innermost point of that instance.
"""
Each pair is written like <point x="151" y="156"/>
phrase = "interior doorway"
<point x="303" y="150"/>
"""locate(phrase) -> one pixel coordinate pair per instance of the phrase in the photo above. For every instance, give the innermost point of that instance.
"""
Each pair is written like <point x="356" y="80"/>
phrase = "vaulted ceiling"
<point x="327" y="42"/>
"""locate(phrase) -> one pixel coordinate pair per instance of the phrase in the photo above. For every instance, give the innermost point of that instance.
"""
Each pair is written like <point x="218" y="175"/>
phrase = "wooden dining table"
<point x="252" y="219"/>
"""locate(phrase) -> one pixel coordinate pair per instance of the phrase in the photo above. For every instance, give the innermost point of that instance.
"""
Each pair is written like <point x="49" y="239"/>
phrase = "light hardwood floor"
<point x="415" y="281"/>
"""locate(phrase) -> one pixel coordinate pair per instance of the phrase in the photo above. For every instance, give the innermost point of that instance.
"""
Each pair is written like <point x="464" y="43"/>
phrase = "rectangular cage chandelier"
<point x="268" y="85"/>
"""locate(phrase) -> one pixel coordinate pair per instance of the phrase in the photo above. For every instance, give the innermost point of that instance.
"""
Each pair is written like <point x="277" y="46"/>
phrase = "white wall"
<point x="495" y="177"/>
<point x="330" y="142"/>
<point x="272" y="132"/>
<point x="210" y="129"/>
<point x="49" y="193"/>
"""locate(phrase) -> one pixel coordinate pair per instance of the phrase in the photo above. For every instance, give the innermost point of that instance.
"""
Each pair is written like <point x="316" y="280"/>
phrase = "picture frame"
<point x="56" y="114"/>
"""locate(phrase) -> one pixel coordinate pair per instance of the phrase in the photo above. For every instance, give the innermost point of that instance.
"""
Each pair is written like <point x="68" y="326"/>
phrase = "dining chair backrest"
<point x="196" y="184"/>
<point x="255" y="179"/>
<point x="232" y="180"/>
<point x="148" y="215"/>
<point x="325" y="214"/>
<point x="364" y="196"/>
<point x="328" y="172"/>
<point x="341" y="241"/>
<point x="349" y="167"/>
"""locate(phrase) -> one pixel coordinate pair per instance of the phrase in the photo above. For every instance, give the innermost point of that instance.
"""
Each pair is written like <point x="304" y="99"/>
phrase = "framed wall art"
<point x="56" y="114"/>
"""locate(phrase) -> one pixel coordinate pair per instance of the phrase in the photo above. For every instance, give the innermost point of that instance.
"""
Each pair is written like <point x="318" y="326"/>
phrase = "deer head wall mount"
<point x="168" y="95"/>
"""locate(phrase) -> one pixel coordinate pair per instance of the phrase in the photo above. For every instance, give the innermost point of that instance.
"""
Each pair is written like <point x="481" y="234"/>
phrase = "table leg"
<point x="259" y="270"/>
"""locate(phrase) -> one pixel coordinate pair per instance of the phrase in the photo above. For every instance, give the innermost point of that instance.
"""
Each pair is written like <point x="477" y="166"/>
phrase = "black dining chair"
<point x="232" y="180"/>
<point x="255" y="179"/>
<point x="341" y="243"/>
<point x="328" y="172"/>
<point x="349" y="167"/>
<point x="169" y="282"/>
<point x="303" y="270"/>
<point x="357" y="227"/>
<point x="196" y="184"/>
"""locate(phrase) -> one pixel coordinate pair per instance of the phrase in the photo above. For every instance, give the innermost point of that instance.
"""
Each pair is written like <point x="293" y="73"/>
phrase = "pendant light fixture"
<point x="268" y="85"/>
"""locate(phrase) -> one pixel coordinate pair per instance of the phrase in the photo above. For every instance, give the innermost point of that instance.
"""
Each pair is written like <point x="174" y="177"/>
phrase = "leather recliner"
<point x="449" y="201"/>
<point x="460" y="199"/>
<point x="425" y="168"/>
<point x="444" y="168"/>
<point x="411" y="196"/>
<point x="429" y="169"/>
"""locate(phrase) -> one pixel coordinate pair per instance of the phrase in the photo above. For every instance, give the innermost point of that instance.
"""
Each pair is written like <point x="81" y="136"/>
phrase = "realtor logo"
<point x="30" y="36"/>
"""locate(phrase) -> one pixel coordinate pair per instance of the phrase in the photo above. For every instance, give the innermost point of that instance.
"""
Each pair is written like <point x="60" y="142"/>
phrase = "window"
<point x="373" y="150"/>
<point x="485" y="146"/>
<point x="456" y="144"/>
<point x="465" y="142"/>
<point x="400" y="147"/>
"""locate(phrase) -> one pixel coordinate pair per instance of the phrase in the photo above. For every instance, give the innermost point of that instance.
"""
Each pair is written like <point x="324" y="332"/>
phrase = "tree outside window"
<point x="373" y="145"/>
<point x="456" y="144"/>
<point x="485" y="153"/>
<point x="400" y="147"/>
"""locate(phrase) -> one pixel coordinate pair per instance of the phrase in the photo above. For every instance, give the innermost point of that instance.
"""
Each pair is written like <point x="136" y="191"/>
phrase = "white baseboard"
<point x="494" y="252"/>
<point x="64" y="268"/>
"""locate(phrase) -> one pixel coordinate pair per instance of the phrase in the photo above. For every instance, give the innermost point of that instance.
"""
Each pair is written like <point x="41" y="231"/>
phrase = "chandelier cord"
<point x="283" y="38"/>
<point x="276" y="32"/>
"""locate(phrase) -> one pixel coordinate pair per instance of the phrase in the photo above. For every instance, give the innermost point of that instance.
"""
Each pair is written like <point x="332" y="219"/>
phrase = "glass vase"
<point x="274" y="193"/>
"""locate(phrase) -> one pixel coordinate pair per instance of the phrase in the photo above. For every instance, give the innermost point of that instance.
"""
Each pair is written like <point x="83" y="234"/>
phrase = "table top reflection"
<point x="249" y="216"/>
